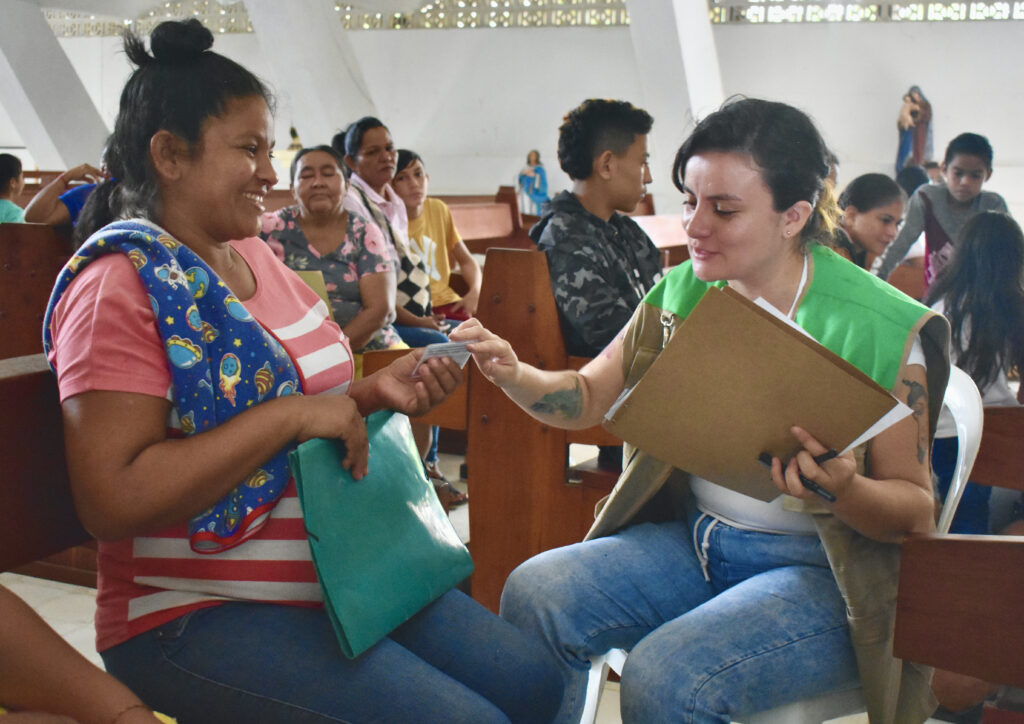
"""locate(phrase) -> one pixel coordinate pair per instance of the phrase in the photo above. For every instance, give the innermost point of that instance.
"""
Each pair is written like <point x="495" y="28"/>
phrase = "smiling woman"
<point x="190" y="360"/>
<point x="679" y="594"/>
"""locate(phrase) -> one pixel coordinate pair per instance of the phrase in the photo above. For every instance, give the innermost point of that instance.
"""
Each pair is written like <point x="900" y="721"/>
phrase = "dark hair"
<point x="929" y="165"/>
<point x="532" y="151"/>
<point x="177" y="88"/>
<point x="406" y="157"/>
<point x="982" y="286"/>
<point x="349" y="141"/>
<point x="10" y="170"/>
<point x="970" y="144"/>
<point x="785" y="144"/>
<point x="870" y="191"/>
<point x="329" y="150"/>
<point x="910" y="177"/>
<point x="596" y="126"/>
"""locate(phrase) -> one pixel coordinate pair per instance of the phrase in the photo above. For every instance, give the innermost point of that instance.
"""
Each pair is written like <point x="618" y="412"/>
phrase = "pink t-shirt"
<point x="106" y="338"/>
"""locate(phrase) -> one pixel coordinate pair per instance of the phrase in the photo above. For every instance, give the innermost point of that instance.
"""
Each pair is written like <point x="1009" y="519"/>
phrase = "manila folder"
<point x="728" y="386"/>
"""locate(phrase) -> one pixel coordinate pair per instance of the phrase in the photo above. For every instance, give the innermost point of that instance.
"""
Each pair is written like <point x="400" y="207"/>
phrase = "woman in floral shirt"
<point x="356" y="262"/>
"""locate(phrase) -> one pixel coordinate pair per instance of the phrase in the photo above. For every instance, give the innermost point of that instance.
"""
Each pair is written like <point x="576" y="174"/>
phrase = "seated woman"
<point x="317" y="234"/>
<point x="58" y="203"/>
<point x="432" y="235"/>
<point x="981" y="293"/>
<point x="371" y="158"/>
<point x="181" y="343"/>
<point x="735" y="605"/>
<point x="12" y="183"/>
<point x="872" y="207"/>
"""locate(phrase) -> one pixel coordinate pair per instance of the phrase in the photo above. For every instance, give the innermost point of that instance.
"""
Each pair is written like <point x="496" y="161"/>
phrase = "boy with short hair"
<point x="941" y="211"/>
<point x="600" y="261"/>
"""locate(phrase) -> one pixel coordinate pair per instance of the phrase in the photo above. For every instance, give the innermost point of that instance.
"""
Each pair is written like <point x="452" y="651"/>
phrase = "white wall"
<point x="851" y="79"/>
<point x="473" y="102"/>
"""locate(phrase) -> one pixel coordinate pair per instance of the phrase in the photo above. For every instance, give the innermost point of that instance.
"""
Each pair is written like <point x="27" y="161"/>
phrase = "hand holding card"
<point x="456" y="351"/>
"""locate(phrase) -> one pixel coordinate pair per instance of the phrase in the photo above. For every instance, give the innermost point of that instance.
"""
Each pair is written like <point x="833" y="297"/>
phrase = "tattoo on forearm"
<point x="917" y="398"/>
<point x="567" y="403"/>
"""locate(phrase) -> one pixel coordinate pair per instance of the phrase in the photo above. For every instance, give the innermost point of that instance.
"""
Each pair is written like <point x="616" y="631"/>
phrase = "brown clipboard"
<point x="731" y="382"/>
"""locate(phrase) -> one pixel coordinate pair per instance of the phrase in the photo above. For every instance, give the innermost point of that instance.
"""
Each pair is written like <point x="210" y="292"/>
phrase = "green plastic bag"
<point x="383" y="546"/>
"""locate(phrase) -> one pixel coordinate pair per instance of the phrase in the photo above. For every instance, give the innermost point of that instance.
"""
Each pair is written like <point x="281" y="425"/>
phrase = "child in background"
<point x="433" y="235"/>
<point x="12" y="183"/>
<point x="59" y="203"/>
<point x="981" y="293"/>
<point x="872" y="207"/>
<point x="941" y="211"/>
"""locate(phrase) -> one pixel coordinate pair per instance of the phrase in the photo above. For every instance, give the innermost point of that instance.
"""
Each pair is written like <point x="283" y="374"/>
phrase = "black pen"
<point x="766" y="460"/>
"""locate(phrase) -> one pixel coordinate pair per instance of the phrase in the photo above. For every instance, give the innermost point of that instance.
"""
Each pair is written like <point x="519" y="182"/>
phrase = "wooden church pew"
<point x="31" y="255"/>
<point x="40" y="534"/>
<point x="959" y="605"/>
<point x="523" y="499"/>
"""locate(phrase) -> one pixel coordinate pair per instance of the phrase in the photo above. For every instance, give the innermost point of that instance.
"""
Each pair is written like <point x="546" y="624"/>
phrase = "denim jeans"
<point x="767" y="629"/>
<point x="252" y="662"/>
<point x="421" y="337"/>
<point x="972" y="512"/>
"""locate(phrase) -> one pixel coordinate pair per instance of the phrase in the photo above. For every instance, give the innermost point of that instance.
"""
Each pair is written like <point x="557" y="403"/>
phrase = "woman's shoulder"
<point x="274" y="222"/>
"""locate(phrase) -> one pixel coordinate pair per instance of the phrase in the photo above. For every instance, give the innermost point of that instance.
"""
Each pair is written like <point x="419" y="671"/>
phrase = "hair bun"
<point x="178" y="42"/>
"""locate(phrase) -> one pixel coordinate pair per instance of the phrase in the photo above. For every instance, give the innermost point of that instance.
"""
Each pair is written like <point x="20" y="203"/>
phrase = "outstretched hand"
<point x="397" y="389"/>
<point x="494" y="357"/>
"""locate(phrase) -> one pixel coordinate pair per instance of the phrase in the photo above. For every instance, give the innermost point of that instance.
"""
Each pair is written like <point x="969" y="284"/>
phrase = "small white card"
<point x="455" y="350"/>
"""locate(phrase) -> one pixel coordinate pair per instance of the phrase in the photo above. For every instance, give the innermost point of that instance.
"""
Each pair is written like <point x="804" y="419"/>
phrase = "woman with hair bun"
<point x="872" y="207"/>
<point x="189" y="361"/>
<point x="730" y="605"/>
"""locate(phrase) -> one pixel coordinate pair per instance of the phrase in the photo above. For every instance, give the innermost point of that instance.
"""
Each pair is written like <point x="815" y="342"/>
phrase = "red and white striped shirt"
<point x="106" y="338"/>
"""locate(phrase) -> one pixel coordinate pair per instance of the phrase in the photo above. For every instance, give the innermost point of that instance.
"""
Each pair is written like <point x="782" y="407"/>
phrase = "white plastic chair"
<point x="963" y="401"/>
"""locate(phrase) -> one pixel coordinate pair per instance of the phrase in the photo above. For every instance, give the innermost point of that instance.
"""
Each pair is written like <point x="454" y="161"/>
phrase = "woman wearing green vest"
<point x="733" y="605"/>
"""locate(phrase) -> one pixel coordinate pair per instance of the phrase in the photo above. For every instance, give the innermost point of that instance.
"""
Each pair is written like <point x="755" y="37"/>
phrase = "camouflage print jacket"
<point x="600" y="271"/>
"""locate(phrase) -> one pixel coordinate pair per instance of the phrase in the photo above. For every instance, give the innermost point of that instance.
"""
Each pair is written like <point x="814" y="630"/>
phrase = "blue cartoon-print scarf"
<point x="222" y="362"/>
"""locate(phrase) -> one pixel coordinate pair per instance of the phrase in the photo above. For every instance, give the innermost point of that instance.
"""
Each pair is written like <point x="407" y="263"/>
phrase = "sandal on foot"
<point x="447" y="492"/>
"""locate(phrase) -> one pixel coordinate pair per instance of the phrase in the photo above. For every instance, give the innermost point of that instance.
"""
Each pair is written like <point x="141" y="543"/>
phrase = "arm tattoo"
<point x="567" y="403"/>
<point x="917" y="398"/>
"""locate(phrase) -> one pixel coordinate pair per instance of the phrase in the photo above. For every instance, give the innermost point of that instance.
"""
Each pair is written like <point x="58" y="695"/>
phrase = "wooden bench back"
<point x="487" y="225"/>
<point x="31" y="255"/>
<point x="1000" y="459"/>
<point x="522" y="502"/>
<point x="37" y="518"/>
<point x="959" y="605"/>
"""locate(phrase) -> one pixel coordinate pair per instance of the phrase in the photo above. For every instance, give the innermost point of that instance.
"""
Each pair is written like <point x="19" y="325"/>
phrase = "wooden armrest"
<point x="959" y="605"/>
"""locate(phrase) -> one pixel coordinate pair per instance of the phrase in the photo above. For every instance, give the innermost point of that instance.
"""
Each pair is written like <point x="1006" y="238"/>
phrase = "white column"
<point x="42" y="93"/>
<point x="679" y="74"/>
<point x="317" y="77"/>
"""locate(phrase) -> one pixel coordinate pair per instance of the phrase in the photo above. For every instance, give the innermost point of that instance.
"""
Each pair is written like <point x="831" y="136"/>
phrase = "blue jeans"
<point x="972" y="512"/>
<point x="767" y="629"/>
<point x="421" y="337"/>
<point x="253" y="662"/>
